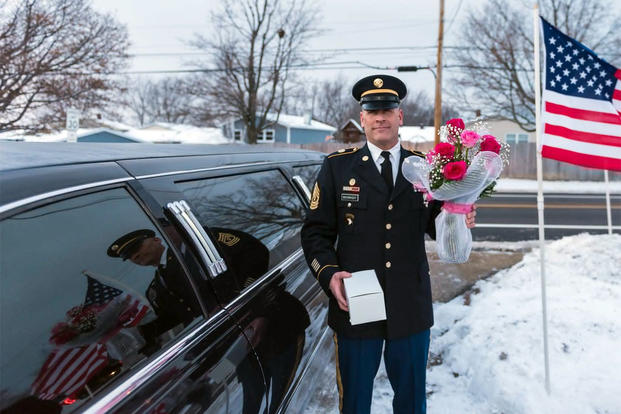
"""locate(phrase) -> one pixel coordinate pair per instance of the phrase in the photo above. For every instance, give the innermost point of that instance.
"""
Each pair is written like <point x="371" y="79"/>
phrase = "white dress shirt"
<point x="395" y="156"/>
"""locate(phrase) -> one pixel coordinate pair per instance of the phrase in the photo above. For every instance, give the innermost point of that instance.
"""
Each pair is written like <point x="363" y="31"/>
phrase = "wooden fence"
<point x="522" y="161"/>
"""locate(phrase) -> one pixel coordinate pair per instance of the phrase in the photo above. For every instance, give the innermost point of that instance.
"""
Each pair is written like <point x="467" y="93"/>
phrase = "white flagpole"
<point x="542" y="241"/>
<point x="608" y="213"/>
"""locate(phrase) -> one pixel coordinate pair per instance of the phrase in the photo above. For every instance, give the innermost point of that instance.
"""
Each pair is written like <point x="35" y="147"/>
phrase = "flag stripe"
<point x="580" y="125"/>
<point x="616" y="94"/>
<point x="578" y="102"/>
<point x="583" y="147"/>
<point x="585" y="160"/>
<point x="583" y="114"/>
<point x="582" y="136"/>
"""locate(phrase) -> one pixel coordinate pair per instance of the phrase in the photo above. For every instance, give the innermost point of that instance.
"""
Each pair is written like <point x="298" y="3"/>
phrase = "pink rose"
<point x="445" y="150"/>
<point x="489" y="143"/>
<point x="469" y="138"/>
<point x="455" y="170"/>
<point x="454" y="127"/>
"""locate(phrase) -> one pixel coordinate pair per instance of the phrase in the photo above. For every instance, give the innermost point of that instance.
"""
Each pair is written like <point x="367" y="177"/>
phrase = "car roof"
<point x="20" y="155"/>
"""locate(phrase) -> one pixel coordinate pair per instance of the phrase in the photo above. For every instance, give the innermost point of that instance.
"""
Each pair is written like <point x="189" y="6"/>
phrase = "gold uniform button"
<point x="388" y="226"/>
<point x="388" y="245"/>
<point x="390" y="207"/>
<point x="388" y="264"/>
<point x="365" y="158"/>
<point x="348" y="204"/>
<point x="352" y="181"/>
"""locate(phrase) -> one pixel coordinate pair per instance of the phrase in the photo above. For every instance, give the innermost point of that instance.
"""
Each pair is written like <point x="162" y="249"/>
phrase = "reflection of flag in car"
<point x="66" y="371"/>
<point x="100" y="295"/>
<point x="82" y="352"/>
<point x="581" y="104"/>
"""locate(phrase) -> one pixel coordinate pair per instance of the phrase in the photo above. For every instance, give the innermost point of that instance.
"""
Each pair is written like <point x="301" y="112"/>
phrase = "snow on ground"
<point x="487" y="346"/>
<point x="515" y="185"/>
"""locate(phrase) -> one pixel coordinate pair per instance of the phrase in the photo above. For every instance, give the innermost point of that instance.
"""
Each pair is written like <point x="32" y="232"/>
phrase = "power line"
<point x="360" y="65"/>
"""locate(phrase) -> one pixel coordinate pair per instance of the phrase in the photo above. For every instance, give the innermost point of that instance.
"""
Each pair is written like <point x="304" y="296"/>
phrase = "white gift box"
<point x="365" y="298"/>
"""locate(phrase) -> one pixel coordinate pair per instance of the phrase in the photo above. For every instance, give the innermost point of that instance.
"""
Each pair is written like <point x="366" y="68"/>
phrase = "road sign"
<point x="73" y="119"/>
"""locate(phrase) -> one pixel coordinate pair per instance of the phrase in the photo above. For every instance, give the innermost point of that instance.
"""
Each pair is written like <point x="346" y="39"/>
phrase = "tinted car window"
<point x="308" y="173"/>
<point x="249" y="214"/>
<point x="90" y="288"/>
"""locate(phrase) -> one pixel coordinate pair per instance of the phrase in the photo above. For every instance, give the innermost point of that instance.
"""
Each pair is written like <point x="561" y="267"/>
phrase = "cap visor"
<point x="377" y="105"/>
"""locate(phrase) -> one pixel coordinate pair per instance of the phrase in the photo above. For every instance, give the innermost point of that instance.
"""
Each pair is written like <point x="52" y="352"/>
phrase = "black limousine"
<point x="139" y="278"/>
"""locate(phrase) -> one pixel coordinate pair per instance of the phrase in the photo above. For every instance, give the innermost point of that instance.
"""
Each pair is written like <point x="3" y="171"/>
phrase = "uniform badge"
<point x="352" y="181"/>
<point x="378" y="82"/>
<point x="228" y="239"/>
<point x="349" y="218"/>
<point x="315" y="198"/>
<point x="350" y="197"/>
<point x="351" y="189"/>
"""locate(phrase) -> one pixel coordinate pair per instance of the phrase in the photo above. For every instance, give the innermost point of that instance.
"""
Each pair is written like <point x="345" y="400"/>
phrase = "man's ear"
<point x="361" y="119"/>
<point x="400" y="116"/>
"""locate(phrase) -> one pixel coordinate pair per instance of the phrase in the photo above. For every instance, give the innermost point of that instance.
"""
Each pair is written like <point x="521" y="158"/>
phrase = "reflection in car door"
<point x="256" y="219"/>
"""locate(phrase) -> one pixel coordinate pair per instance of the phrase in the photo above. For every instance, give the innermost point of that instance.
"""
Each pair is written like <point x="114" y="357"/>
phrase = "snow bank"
<point x="492" y="349"/>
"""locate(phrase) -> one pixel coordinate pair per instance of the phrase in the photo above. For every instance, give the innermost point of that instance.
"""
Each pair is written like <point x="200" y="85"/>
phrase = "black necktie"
<point x="387" y="170"/>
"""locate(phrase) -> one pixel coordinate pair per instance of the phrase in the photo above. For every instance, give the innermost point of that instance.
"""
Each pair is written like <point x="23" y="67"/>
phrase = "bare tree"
<point x="418" y="109"/>
<point x="335" y="105"/>
<point x="164" y="100"/>
<point x="497" y="52"/>
<point x="254" y="45"/>
<point x="56" y="51"/>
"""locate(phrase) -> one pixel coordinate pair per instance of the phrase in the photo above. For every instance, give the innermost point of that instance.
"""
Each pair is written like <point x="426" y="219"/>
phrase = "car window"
<point x="90" y="289"/>
<point x="308" y="173"/>
<point x="256" y="219"/>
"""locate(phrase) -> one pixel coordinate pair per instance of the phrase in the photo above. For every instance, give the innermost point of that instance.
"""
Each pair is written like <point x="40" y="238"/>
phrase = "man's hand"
<point x="338" y="289"/>
<point x="470" y="217"/>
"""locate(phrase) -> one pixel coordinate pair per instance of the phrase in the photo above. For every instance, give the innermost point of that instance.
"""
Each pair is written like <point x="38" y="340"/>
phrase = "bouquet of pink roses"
<point x="458" y="171"/>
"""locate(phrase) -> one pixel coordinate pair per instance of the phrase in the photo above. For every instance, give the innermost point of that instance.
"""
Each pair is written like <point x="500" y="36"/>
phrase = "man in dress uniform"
<point x="362" y="200"/>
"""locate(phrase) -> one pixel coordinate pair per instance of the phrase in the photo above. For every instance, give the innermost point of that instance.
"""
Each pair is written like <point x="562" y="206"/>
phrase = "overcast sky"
<point x="160" y="29"/>
<point x="163" y="27"/>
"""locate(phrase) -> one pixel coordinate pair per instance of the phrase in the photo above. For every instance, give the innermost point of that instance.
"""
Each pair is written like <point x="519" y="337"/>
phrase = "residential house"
<point x="291" y="129"/>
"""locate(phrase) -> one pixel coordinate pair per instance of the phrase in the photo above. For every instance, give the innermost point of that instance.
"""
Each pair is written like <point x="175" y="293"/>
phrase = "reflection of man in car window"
<point x="276" y="331"/>
<point x="172" y="302"/>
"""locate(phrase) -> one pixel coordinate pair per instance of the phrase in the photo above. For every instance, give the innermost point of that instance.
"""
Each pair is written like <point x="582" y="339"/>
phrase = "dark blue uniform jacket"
<point x="354" y="224"/>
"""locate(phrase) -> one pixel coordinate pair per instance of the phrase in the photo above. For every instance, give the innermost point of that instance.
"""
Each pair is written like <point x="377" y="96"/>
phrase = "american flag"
<point x="67" y="370"/>
<point x="581" y="104"/>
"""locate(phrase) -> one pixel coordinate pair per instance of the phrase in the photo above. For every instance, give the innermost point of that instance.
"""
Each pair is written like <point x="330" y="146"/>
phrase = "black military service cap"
<point x="379" y="92"/>
<point x="127" y="244"/>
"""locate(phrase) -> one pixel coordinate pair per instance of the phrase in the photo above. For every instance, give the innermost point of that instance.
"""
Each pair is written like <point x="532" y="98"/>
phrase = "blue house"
<point x="105" y="135"/>
<point x="290" y="129"/>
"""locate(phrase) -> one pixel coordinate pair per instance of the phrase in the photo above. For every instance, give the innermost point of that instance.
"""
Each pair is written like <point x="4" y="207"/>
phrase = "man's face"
<point x="149" y="252"/>
<point x="382" y="126"/>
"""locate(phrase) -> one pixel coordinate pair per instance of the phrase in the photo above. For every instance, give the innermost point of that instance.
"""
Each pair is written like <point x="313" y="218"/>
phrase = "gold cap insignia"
<point x="315" y="198"/>
<point x="352" y="181"/>
<point x="378" y="82"/>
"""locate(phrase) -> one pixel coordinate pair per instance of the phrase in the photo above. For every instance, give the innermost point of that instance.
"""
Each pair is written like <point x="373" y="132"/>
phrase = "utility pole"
<point x="437" y="118"/>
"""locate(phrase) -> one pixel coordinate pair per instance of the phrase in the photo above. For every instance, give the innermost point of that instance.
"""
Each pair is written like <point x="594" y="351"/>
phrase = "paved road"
<point x="513" y="216"/>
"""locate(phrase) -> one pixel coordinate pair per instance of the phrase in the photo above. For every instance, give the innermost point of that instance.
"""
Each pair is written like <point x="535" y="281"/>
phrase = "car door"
<point x="256" y="217"/>
<point x="86" y="326"/>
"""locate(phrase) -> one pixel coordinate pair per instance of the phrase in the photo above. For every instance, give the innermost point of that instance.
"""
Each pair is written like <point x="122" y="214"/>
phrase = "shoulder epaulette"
<point x="417" y="153"/>
<point x="343" y="151"/>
